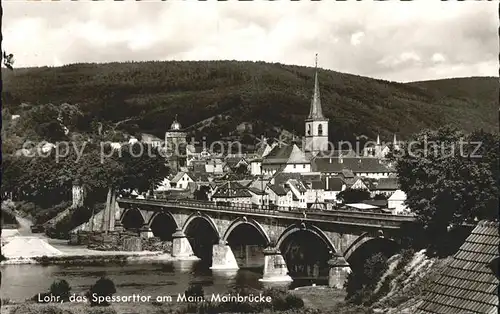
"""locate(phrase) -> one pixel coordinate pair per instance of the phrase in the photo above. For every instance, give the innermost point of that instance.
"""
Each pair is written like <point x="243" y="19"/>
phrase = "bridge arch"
<point x="362" y="239"/>
<point x="202" y="233"/>
<point x="157" y="214"/>
<point x="367" y="245"/>
<point x="244" y="221"/>
<point x="203" y="216"/>
<point x="306" y="250"/>
<point x="132" y="218"/>
<point x="309" y="228"/>
<point x="163" y="225"/>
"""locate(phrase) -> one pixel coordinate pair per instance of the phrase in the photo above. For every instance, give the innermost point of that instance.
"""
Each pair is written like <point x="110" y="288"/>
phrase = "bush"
<point x="107" y="310"/>
<point x="43" y="309"/>
<point x="103" y="287"/>
<point x="282" y="300"/>
<point x="294" y="302"/>
<point x="360" y="284"/>
<point x="44" y="260"/>
<point x="60" y="288"/>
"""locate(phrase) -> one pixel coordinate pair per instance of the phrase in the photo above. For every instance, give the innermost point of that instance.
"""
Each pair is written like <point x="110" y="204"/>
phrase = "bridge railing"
<point x="239" y="207"/>
<point x="352" y="217"/>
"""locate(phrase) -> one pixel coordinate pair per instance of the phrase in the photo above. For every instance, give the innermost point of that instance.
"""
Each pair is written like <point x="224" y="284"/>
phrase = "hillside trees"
<point x="48" y="179"/>
<point x="447" y="181"/>
<point x="278" y="95"/>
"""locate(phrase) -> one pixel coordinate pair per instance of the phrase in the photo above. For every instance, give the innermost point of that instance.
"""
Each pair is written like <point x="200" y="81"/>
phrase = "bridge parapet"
<point x="366" y="219"/>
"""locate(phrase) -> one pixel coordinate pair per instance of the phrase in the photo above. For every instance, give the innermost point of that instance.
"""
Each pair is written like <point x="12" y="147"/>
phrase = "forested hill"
<point x="263" y="94"/>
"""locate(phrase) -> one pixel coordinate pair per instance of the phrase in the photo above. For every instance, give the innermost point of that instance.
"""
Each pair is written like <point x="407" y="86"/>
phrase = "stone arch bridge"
<point x="310" y="241"/>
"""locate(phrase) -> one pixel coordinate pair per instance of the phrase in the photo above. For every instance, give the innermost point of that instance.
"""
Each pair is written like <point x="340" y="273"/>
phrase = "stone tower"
<point x="316" y="138"/>
<point x="175" y="144"/>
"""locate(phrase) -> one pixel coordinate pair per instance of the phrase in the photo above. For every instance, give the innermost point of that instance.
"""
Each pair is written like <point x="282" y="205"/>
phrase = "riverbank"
<point x="106" y="257"/>
<point x="40" y="250"/>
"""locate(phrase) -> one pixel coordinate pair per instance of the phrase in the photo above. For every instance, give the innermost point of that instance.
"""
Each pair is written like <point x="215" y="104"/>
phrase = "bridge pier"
<point x="339" y="270"/>
<point x="180" y="245"/>
<point x="146" y="232"/>
<point x="223" y="257"/>
<point x="118" y="226"/>
<point x="275" y="269"/>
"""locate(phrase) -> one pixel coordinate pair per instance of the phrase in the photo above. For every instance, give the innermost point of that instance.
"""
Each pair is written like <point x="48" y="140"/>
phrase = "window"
<point x="320" y="129"/>
<point x="294" y="166"/>
<point x="308" y="129"/>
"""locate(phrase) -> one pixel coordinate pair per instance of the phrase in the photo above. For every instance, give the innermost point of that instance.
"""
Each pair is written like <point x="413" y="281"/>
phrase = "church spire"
<point x="315" y="112"/>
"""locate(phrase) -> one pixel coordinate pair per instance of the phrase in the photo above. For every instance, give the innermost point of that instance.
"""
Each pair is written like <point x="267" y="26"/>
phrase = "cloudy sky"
<point x="400" y="41"/>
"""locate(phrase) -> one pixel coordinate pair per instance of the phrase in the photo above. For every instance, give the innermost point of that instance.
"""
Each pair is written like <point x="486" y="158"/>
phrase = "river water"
<point x="170" y="278"/>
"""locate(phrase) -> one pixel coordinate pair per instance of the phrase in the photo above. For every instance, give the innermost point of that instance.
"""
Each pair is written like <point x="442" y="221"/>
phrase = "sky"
<point x="397" y="41"/>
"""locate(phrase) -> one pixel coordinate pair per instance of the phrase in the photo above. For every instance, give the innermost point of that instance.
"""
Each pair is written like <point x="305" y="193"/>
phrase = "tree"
<point x="353" y="195"/>
<point x="202" y="193"/>
<point x="8" y="60"/>
<point x="242" y="169"/>
<point x="361" y="283"/>
<point x="445" y="183"/>
<point x="380" y="196"/>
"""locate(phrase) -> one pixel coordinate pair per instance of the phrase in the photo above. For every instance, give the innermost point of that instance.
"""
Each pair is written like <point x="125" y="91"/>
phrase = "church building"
<point x="316" y="128"/>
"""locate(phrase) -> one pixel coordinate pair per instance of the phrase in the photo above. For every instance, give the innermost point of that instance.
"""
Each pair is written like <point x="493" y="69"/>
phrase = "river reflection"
<point x="24" y="281"/>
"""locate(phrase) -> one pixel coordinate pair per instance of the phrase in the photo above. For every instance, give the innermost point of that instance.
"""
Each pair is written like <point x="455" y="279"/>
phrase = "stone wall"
<point x="120" y="241"/>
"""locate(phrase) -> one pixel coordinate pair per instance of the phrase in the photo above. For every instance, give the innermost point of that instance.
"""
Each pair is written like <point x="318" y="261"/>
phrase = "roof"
<point x="317" y="185"/>
<point x="355" y="164"/>
<point x="387" y="184"/>
<point x="283" y="177"/>
<point x="298" y="185"/>
<point x="297" y="156"/>
<point x="231" y="189"/>
<point x="468" y="284"/>
<point x="278" y="189"/>
<point x="278" y="155"/>
<point x="334" y="184"/>
<point x="259" y="183"/>
<point x="346" y="173"/>
<point x="256" y="191"/>
<point x="351" y="181"/>
<point x="199" y="167"/>
<point x="148" y="138"/>
<point x="361" y="206"/>
<point x="398" y="196"/>
<point x="378" y="203"/>
<point x="233" y="161"/>
<point x="178" y="177"/>
<point x="245" y="182"/>
<point x="316" y="112"/>
<point x="199" y="176"/>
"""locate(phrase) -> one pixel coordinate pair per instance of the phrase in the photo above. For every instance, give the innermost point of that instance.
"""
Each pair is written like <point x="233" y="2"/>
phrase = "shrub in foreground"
<point x="60" y="288"/>
<point x="104" y="287"/>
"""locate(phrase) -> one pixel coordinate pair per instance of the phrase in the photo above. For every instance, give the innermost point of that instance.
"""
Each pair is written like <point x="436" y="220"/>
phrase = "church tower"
<point x="316" y="139"/>
<point x="175" y="145"/>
